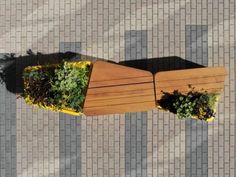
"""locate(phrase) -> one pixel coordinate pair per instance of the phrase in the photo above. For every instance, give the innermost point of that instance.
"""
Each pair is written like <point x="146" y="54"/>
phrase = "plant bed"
<point x="102" y="87"/>
<point x="194" y="104"/>
<point x="58" y="87"/>
<point x="190" y="93"/>
<point x="93" y="89"/>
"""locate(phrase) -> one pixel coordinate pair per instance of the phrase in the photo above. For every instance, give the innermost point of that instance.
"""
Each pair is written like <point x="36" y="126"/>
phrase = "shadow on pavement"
<point x="12" y="67"/>
<point x="155" y="65"/>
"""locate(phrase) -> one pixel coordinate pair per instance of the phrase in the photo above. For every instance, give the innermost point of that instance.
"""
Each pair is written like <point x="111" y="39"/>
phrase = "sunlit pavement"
<point x="35" y="142"/>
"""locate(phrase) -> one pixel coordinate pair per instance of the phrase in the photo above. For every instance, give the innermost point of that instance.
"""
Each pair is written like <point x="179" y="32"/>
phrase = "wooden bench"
<point x="201" y="79"/>
<point x="114" y="88"/>
<point x="118" y="89"/>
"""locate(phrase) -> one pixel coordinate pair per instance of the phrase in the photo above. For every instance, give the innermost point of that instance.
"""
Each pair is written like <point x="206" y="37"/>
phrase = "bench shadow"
<point x="12" y="67"/>
<point x="155" y="65"/>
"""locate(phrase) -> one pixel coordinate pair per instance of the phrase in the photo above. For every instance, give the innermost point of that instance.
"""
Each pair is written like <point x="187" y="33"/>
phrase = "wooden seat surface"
<point x="207" y="79"/>
<point x="115" y="89"/>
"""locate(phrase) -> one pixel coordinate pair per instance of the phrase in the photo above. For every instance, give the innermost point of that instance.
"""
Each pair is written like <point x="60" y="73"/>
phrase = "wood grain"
<point x="190" y="73"/>
<point x="181" y="82"/>
<point x="118" y="89"/>
<point x="110" y="109"/>
<point x="105" y="71"/>
<point x="116" y="101"/>
<point x="201" y="79"/>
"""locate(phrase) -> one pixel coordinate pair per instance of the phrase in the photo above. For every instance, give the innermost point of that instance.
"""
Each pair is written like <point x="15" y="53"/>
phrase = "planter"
<point x="110" y="88"/>
<point x="52" y="86"/>
<point x="193" y="87"/>
<point x="196" y="105"/>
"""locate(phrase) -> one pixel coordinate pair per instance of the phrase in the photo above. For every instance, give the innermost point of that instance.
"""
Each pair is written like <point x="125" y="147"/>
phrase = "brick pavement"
<point x="100" y="27"/>
<point x="136" y="123"/>
<point x="196" y="136"/>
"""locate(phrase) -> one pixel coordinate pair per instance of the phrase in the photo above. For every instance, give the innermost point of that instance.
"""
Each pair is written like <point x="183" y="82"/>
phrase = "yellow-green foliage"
<point x="57" y="87"/>
<point x="200" y="105"/>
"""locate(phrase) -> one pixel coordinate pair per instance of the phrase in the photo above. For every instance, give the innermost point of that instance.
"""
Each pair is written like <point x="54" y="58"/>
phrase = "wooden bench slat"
<point x="183" y="87"/>
<point x="132" y="93"/>
<point x="120" y="88"/>
<point x="187" y="81"/>
<point x="118" y="101"/>
<point x="116" y="109"/>
<point x="121" y="81"/>
<point x="190" y="73"/>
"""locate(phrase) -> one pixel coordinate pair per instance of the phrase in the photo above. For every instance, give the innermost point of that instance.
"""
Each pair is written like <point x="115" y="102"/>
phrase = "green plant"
<point x="57" y="86"/>
<point x="184" y="106"/>
<point x="193" y="104"/>
<point x="68" y="85"/>
<point x="37" y="86"/>
<point x="205" y="105"/>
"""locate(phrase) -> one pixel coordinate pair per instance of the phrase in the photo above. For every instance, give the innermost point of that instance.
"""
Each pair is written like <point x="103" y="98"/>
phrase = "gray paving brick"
<point x="70" y="47"/>
<point x="196" y="131"/>
<point x="7" y="131"/>
<point x="70" y="155"/>
<point x="70" y="131"/>
<point x="135" y="123"/>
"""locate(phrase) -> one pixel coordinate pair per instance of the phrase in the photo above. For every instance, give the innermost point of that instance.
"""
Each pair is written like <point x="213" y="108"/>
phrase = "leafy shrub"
<point x="193" y="104"/>
<point x="205" y="105"/>
<point x="37" y="86"/>
<point x="184" y="106"/>
<point x="61" y="86"/>
<point x="69" y="84"/>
